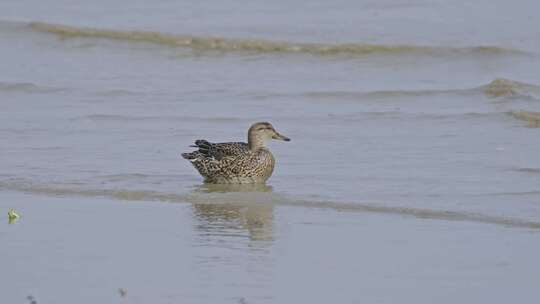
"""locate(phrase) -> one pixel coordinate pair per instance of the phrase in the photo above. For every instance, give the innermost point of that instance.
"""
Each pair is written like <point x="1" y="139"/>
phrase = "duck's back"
<point x="221" y="150"/>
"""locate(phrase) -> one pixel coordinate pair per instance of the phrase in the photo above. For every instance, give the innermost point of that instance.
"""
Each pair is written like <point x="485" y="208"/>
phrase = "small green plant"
<point x="12" y="216"/>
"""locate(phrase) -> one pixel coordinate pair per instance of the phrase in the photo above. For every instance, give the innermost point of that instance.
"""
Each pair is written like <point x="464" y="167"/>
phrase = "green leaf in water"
<point x="12" y="216"/>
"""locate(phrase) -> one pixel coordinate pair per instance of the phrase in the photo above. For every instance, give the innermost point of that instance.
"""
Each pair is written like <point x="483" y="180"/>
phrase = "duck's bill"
<point x="280" y="137"/>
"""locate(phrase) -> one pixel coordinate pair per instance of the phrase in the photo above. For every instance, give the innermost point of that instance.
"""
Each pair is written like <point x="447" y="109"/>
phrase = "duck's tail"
<point x="203" y="145"/>
<point x="207" y="167"/>
<point x="192" y="156"/>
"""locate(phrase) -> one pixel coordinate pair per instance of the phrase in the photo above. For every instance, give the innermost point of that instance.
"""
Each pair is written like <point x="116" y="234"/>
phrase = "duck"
<point x="236" y="162"/>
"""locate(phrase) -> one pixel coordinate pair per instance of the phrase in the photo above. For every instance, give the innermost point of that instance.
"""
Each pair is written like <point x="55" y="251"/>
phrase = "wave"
<point x="383" y="94"/>
<point x="126" y="118"/>
<point x="26" y="87"/>
<point x="378" y="115"/>
<point x="261" y="194"/>
<point x="201" y="43"/>
<point x="499" y="87"/>
<point x="532" y="118"/>
<point x="417" y="116"/>
<point x="528" y="170"/>
<point x="118" y="93"/>
<point x="502" y="87"/>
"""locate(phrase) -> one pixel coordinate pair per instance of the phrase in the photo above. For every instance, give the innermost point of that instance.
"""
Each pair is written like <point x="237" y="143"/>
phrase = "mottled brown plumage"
<point x="236" y="162"/>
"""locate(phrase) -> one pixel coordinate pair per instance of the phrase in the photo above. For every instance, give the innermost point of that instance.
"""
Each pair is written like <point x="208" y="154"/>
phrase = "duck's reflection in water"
<point x="234" y="237"/>
<point x="234" y="211"/>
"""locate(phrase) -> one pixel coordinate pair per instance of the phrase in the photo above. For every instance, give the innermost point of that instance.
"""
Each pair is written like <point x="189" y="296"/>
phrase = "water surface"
<point x="416" y="112"/>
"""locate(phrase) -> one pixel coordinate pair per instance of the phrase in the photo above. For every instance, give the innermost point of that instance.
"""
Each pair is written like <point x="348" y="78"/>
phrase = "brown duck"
<point x="236" y="162"/>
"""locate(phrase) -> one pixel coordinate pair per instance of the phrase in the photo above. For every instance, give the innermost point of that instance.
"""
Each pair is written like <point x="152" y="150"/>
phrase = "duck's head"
<point x="262" y="131"/>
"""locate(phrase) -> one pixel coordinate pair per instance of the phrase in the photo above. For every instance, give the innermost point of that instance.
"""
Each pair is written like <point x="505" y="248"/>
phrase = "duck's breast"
<point x="265" y="164"/>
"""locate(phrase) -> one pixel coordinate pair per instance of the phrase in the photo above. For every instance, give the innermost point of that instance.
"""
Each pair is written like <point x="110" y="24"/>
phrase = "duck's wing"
<point x="213" y="169"/>
<point x="219" y="151"/>
<point x="248" y="164"/>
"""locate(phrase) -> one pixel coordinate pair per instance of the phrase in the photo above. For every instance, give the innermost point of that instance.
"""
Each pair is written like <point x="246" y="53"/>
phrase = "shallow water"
<point x="413" y="109"/>
<point x="66" y="249"/>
